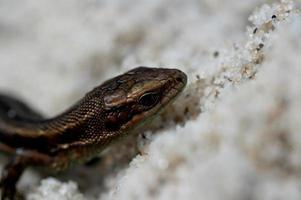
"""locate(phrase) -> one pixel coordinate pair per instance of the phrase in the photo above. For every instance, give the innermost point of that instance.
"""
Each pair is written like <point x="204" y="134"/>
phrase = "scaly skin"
<point x="106" y="114"/>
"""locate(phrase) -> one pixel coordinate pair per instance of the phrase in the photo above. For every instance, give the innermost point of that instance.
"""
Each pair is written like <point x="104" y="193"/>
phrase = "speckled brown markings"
<point x="107" y="113"/>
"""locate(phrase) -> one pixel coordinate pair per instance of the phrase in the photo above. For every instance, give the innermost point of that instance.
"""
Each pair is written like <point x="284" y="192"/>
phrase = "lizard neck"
<point x="44" y="134"/>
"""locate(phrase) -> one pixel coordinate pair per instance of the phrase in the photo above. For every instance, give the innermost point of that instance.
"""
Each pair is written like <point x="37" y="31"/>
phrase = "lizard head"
<point x="135" y="96"/>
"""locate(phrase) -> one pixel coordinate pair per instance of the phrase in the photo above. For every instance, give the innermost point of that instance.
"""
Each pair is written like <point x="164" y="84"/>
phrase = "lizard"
<point x="106" y="114"/>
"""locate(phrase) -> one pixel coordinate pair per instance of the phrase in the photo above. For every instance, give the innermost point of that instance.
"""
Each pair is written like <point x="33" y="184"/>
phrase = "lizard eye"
<point x="149" y="99"/>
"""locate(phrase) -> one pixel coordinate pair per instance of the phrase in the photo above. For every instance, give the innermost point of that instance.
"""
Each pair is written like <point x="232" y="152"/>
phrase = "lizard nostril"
<point x="179" y="79"/>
